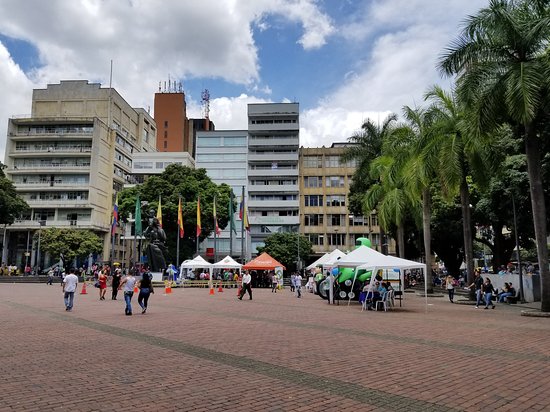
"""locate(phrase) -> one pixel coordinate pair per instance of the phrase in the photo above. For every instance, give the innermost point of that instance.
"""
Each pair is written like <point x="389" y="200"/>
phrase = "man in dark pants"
<point x="117" y="276"/>
<point x="246" y="286"/>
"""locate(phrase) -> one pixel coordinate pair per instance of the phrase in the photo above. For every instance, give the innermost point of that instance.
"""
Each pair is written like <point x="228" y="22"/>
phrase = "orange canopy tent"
<point x="263" y="262"/>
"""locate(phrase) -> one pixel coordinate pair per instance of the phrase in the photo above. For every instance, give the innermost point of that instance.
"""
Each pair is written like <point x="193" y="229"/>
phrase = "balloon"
<point x="335" y="271"/>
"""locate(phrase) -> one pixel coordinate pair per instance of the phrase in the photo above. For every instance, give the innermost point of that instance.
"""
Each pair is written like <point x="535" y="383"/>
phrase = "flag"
<point x="138" y="230"/>
<point x="159" y="213"/>
<point x="216" y="227"/>
<point x="198" y="217"/>
<point x="243" y="215"/>
<point x="115" y="215"/>
<point x="231" y="214"/>
<point x="180" y="219"/>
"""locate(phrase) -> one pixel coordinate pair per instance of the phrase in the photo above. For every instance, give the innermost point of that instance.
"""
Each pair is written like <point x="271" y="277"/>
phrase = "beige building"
<point x="68" y="160"/>
<point x="324" y="216"/>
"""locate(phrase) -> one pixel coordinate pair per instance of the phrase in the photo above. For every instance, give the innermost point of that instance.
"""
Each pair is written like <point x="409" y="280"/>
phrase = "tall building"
<point x="67" y="162"/>
<point x="223" y="154"/>
<point x="171" y="119"/>
<point x="273" y="143"/>
<point x="324" y="190"/>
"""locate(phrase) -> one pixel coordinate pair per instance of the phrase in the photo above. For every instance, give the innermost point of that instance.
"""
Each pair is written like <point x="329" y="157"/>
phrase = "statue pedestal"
<point x="157" y="276"/>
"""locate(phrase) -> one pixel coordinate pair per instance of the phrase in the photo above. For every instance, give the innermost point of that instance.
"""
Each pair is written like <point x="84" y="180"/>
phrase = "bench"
<point x="513" y="299"/>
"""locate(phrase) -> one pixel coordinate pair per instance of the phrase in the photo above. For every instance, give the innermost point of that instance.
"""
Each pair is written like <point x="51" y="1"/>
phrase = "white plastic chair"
<point x="383" y="302"/>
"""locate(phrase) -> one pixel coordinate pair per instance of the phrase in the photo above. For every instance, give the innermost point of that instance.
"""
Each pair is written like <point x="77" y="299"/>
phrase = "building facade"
<point x="171" y="119"/>
<point x="324" y="189"/>
<point x="273" y="190"/>
<point x="223" y="153"/>
<point x="68" y="160"/>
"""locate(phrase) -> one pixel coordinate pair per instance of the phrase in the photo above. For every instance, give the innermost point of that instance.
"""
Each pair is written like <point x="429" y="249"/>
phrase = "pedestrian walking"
<point x="488" y="291"/>
<point x="478" y="284"/>
<point x="274" y="282"/>
<point x="115" y="282"/>
<point x="292" y="287"/>
<point x="69" y="288"/>
<point x="50" y="277"/>
<point x="127" y="285"/>
<point x="102" y="279"/>
<point x="246" y="286"/>
<point x="298" y="284"/>
<point x="145" y="285"/>
<point x="450" y="285"/>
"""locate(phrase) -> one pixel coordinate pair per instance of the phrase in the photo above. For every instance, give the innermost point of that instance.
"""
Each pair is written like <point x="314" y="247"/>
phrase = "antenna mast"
<point x="206" y="108"/>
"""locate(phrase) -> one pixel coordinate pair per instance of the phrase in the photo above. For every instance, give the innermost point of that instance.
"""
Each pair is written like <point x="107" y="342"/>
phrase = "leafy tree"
<point x="502" y="64"/>
<point x="284" y="248"/>
<point x="11" y="205"/>
<point x="175" y="181"/>
<point x="70" y="243"/>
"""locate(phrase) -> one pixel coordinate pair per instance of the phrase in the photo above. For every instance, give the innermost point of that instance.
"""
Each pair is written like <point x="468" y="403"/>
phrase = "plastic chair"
<point x="367" y="300"/>
<point x="383" y="302"/>
<point x="391" y="299"/>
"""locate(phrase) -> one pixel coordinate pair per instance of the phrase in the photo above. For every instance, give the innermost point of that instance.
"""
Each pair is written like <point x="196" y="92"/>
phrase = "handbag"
<point x="96" y="284"/>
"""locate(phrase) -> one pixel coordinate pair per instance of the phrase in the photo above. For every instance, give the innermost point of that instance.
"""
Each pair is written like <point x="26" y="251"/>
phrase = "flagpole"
<point x="113" y="228"/>
<point x="197" y="230"/>
<point x="231" y="223"/>
<point x="178" y="235"/>
<point x="215" y="230"/>
<point x="242" y="228"/>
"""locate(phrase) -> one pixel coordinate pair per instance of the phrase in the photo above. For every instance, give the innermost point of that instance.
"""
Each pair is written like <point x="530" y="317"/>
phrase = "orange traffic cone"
<point x="136" y="290"/>
<point x="220" y="289"/>
<point x="84" y="291"/>
<point x="211" y="290"/>
<point x="168" y="288"/>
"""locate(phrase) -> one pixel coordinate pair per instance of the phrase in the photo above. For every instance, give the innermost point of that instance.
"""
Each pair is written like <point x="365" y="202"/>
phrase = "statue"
<point x="155" y="248"/>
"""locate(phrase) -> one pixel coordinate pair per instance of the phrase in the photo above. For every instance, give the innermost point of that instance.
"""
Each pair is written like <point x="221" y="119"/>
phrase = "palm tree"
<point x="455" y="154"/>
<point x="363" y="148"/>
<point x="502" y="65"/>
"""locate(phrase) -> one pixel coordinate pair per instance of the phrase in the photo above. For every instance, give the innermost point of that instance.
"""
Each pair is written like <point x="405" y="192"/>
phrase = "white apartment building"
<point x="68" y="160"/>
<point x="273" y="189"/>
<point x="223" y="153"/>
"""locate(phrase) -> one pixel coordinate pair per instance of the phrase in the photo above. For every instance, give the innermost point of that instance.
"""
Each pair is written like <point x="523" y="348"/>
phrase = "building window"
<point x="313" y="162"/>
<point x="336" y="239"/>
<point x="166" y="134"/>
<point x="357" y="220"/>
<point x="335" y="220"/>
<point x="166" y="123"/>
<point x="334" y="181"/>
<point x="336" y="200"/>
<point x="313" y="200"/>
<point x="332" y="161"/>
<point x="313" y="181"/>
<point x="165" y="144"/>
<point x="373" y="220"/>
<point x="313" y="220"/>
<point x="316" y="239"/>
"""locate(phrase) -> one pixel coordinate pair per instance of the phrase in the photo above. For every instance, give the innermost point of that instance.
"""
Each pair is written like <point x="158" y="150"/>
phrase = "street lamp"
<point x="42" y="223"/>
<point x="521" y="296"/>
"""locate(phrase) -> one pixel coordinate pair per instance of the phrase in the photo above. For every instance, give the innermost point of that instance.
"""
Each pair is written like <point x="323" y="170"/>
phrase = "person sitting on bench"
<point x="507" y="290"/>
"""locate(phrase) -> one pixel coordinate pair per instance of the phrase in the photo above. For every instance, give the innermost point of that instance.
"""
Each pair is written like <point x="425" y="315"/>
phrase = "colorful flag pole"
<point x="113" y="228"/>
<point x="159" y="213"/>
<point x="231" y="223"/>
<point x="216" y="229"/>
<point x="180" y="232"/>
<point x="198" y="224"/>
<point x="241" y="215"/>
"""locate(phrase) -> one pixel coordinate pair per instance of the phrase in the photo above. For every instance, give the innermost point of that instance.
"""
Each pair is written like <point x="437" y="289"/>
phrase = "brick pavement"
<point x="196" y="352"/>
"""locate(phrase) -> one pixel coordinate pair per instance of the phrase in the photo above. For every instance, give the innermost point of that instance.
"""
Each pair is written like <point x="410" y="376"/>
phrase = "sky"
<point x="343" y="61"/>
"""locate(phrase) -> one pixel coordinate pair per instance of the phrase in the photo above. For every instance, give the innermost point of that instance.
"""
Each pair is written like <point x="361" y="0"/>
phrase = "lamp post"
<point x="521" y="296"/>
<point x="42" y="223"/>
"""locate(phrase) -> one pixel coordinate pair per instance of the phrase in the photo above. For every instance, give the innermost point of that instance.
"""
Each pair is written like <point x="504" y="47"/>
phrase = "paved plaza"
<point x="196" y="352"/>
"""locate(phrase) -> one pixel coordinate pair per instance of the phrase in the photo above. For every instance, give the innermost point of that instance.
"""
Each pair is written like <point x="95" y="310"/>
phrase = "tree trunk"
<point x="426" y="226"/>
<point x="539" y="213"/>
<point x="401" y="239"/>
<point x="467" y="229"/>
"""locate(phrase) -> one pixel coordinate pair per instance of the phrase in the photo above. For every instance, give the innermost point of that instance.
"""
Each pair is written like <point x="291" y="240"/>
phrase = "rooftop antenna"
<point x="206" y="108"/>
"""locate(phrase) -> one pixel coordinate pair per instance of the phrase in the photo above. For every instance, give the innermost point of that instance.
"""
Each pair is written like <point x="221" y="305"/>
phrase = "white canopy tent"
<point x="369" y="259"/>
<point x="227" y="263"/>
<point x="196" y="263"/>
<point x="327" y="259"/>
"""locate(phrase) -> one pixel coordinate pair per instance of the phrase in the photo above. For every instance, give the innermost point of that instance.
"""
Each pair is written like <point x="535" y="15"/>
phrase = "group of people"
<point x="373" y="293"/>
<point x="141" y="279"/>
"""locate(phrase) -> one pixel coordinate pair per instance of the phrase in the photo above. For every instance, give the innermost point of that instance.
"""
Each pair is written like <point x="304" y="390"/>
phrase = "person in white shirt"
<point x="298" y="284"/>
<point x="70" y="283"/>
<point x="128" y="284"/>
<point x="247" y="279"/>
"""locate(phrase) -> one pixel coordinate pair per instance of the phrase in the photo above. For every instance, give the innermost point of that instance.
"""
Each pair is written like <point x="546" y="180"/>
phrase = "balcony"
<point x="273" y="204"/>
<point x="269" y="172"/>
<point x="64" y="224"/>
<point x="273" y="156"/>
<point x="273" y="188"/>
<point x="274" y="141"/>
<point x="274" y="220"/>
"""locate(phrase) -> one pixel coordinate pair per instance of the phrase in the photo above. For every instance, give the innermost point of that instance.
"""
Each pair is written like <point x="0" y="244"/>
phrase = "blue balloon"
<point x="335" y="271"/>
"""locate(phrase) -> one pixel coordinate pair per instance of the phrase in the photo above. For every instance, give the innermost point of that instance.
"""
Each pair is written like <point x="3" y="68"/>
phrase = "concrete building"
<point x="154" y="163"/>
<point x="273" y="191"/>
<point x="68" y="159"/>
<point x="171" y="119"/>
<point x="324" y="190"/>
<point x="223" y="153"/>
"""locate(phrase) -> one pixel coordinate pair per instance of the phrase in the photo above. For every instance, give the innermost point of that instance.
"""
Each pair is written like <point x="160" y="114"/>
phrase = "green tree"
<point x="502" y="64"/>
<point x="188" y="183"/>
<point x="11" y="205"/>
<point x="284" y="248"/>
<point x="70" y="243"/>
